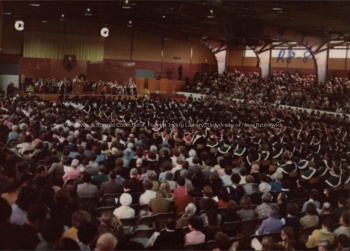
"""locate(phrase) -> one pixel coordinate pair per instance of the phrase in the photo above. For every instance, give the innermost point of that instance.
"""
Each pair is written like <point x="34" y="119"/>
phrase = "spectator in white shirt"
<point x="264" y="187"/>
<point x="226" y="178"/>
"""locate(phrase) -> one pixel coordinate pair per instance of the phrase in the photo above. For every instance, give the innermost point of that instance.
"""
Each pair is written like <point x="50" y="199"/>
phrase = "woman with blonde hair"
<point x="167" y="194"/>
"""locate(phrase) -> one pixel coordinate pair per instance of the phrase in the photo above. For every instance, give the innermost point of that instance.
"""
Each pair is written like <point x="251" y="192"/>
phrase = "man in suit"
<point x="168" y="237"/>
<point x="136" y="185"/>
<point x="159" y="204"/>
<point x="111" y="186"/>
<point x="87" y="190"/>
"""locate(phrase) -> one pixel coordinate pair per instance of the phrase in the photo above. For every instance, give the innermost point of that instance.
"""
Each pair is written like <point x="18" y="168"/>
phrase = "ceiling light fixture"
<point x="126" y="5"/>
<point x="19" y="25"/>
<point x="211" y="14"/>
<point x="104" y="32"/>
<point x="6" y="13"/>
<point x="129" y="24"/>
<point x="34" y="4"/>
<point x="88" y="12"/>
<point x="277" y="8"/>
<point x="163" y="16"/>
<point x="44" y="21"/>
<point x="62" y="18"/>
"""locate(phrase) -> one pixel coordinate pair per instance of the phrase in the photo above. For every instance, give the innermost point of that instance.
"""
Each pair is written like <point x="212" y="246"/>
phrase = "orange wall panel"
<point x="163" y="86"/>
<point x="152" y="85"/>
<point x="140" y="83"/>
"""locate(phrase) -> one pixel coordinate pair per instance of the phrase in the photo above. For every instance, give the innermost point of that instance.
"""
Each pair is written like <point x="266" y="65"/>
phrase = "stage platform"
<point x="55" y="97"/>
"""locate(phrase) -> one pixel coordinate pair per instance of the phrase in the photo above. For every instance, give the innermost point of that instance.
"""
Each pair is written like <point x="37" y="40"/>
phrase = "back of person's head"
<point x="190" y="209"/>
<point x="181" y="181"/>
<point x="245" y="202"/>
<point x="112" y="175"/>
<point x="5" y="210"/>
<point x="87" y="178"/>
<point x="37" y="213"/>
<point x="52" y="229"/>
<point x="235" y="178"/>
<point x="87" y="232"/>
<point x="196" y="222"/>
<point x="184" y="173"/>
<point x="311" y="209"/>
<point x="222" y="240"/>
<point x="250" y="179"/>
<point x="228" y="170"/>
<point x="243" y="171"/>
<point x="195" y="160"/>
<point x="125" y="199"/>
<point x="266" y="198"/>
<point x="189" y="189"/>
<point x="314" y="194"/>
<point x="232" y="206"/>
<point x="170" y="223"/>
<point x="179" y="161"/>
<point x="67" y="244"/>
<point x="106" y="218"/>
<point x="273" y="210"/>
<point x="101" y="169"/>
<point x="26" y="198"/>
<point x="342" y="201"/>
<point x="75" y="163"/>
<point x="327" y="222"/>
<point x="126" y="184"/>
<point x="223" y="195"/>
<point x="192" y="153"/>
<point x="207" y="191"/>
<point x="267" y="243"/>
<point x="147" y="185"/>
<point x="343" y="241"/>
<point x="292" y="208"/>
<point x="106" y="241"/>
<point x="133" y="172"/>
<point x="79" y="217"/>
<point x="345" y="218"/>
<point x="212" y="217"/>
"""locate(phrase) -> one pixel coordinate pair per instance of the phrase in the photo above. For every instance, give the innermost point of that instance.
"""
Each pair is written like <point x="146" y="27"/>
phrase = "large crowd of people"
<point x="209" y="173"/>
<point x="283" y="88"/>
<point x="64" y="86"/>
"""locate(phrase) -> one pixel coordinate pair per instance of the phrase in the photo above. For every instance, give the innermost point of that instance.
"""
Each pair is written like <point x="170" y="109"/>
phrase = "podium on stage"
<point x="77" y="88"/>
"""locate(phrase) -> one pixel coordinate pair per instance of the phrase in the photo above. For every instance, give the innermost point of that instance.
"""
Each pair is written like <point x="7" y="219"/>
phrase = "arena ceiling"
<point x="236" y="23"/>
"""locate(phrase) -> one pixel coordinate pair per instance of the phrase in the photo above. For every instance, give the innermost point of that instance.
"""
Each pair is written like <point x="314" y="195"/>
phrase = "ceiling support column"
<point x="265" y="63"/>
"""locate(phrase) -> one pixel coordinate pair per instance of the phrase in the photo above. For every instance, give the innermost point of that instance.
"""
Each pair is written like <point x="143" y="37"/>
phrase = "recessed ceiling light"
<point x="104" y="32"/>
<point x="277" y="8"/>
<point x="129" y="24"/>
<point x="34" y="4"/>
<point x="6" y="13"/>
<point x="211" y="14"/>
<point x="44" y="21"/>
<point x="163" y="16"/>
<point x="126" y="5"/>
<point x="88" y="12"/>
<point x="19" y="25"/>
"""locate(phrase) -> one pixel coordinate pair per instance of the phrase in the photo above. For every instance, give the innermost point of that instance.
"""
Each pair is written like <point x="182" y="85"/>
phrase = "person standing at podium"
<point x="180" y="72"/>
